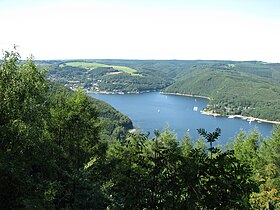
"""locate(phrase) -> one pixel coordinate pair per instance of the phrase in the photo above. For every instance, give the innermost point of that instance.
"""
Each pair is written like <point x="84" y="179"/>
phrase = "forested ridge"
<point x="58" y="150"/>
<point x="248" y="88"/>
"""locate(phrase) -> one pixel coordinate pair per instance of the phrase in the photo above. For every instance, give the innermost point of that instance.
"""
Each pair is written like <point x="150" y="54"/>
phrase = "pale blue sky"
<point x="144" y="29"/>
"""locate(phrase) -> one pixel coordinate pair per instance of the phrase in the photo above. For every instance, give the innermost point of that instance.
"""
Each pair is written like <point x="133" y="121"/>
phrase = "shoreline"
<point x="184" y="94"/>
<point x="118" y="92"/>
<point x="210" y="113"/>
<point x="249" y="119"/>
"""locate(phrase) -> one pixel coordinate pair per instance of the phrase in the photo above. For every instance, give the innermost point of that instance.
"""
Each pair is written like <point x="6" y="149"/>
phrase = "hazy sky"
<point x="142" y="29"/>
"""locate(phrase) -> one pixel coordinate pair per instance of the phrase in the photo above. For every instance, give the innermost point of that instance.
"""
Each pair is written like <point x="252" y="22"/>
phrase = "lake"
<point x="181" y="114"/>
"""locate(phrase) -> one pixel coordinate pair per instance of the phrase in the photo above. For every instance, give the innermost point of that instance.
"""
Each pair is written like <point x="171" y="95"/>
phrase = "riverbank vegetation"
<point x="63" y="150"/>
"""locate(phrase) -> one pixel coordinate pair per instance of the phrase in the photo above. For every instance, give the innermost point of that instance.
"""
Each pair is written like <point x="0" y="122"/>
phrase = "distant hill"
<point x="101" y="76"/>
<point x="233" y="91"/>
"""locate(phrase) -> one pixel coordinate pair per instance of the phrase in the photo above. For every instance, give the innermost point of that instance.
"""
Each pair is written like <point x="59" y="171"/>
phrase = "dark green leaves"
<point x="210" y="137"/>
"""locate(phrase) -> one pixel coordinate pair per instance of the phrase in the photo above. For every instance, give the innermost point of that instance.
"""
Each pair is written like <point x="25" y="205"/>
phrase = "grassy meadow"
<point x="93" y="65"/>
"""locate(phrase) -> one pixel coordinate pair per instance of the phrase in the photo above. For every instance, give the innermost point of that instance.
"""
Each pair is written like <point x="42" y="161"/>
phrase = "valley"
<point x="246" y="88"/>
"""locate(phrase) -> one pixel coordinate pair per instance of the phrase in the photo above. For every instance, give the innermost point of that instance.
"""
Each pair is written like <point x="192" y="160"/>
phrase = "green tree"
<point x="224" y="181"/>
<point x="24" y="162"/>
<point x="187" y="145"/>
<point x="268" y="171"/>
<point x="129" y="177"/>
<point x="74" y="129"/>
<point x="47" y="135"/>
<point x="272" y="156"/>
<point x="165" y="158"/>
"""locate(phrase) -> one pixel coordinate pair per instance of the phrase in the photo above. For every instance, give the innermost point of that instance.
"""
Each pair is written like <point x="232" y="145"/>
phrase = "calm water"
<point x="150" y="111"/>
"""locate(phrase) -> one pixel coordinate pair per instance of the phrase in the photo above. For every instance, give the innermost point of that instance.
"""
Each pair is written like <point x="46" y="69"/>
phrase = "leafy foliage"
<point x="48" y="134"/>
<point x="155" y="174"/>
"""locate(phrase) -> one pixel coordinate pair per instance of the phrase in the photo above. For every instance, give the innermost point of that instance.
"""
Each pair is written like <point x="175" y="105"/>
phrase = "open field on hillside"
<point x="93" y="65"/>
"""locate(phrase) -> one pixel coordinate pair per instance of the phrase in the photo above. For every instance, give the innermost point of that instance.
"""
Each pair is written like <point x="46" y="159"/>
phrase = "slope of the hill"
<point x="114" y="124"/>
<point x="233" y="91"/>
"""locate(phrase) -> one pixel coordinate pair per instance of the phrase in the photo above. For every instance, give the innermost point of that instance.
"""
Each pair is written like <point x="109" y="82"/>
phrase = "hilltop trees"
<point x="47" y="136"/>
<point x="23" y="107"/>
